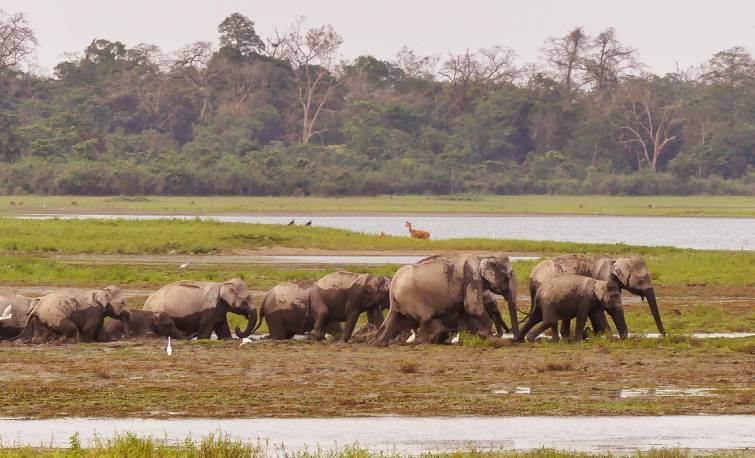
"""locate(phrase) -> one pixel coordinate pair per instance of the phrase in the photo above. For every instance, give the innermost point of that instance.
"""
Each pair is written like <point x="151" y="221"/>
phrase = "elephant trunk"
<point x="617" y="316"/>
<point x="650" y="294"/>
<point x="250" y="326"/>
<point x="511" y="301"/>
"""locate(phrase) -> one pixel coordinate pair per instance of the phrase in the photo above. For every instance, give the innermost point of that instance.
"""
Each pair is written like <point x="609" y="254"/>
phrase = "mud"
<point x="413" y="435"/>
<point x="686" y="232"/>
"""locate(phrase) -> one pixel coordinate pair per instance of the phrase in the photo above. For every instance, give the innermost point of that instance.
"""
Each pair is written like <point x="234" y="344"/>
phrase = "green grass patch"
<point x="413" y="204"/>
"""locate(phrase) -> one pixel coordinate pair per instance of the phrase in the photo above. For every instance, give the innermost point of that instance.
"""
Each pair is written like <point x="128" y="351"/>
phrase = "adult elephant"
<point x="144" y="323"/>
<point x="439" y="287"/>
<point x="343" y="296"/>
<point x="198" y="307"/>
<point x="631" y="273"/>
<point x="75" y="315"/>
<point x="14" y="312"/>
<point x="463" y="322"/>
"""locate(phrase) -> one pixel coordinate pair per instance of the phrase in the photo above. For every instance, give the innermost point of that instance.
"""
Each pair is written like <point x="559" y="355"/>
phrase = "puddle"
<point x="686" y="232"/>
<point x="412" y="435"/>
<point x="665" y="392"/>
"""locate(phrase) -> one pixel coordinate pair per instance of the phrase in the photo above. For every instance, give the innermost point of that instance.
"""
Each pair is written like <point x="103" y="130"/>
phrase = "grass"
<point x="738" y="206"/>
<point x="670" y="266"/>
<point x="327" y="379"/>
<point x="219" y="445"/>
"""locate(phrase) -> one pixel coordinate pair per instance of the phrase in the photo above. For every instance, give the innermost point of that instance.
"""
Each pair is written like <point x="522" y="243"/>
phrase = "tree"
<point x="607" y="60"/>
<point x="565" y="54"/>
<point x="311" y="54"/>
<point x="650" y="117"/>
<point x="193" y="63"/>
<point x="17" y="40"/>
<point x="488" y="67"/>
<point x="237" y="32"/>
<point x="733" y="67"/>
<point x="415" y="66"/>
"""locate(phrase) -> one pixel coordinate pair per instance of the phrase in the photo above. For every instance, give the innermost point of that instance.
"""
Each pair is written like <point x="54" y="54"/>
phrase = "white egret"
<point x="184" y="265"/>
<point x="411" y="337"/>
<point x="455" y="339"/>
<point x="169" y="349"/>
<point x="7" y="315"/>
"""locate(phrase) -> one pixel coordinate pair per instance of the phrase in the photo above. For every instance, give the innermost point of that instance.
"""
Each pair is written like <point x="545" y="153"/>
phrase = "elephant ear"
<point x="102" y="297"/>
<point x="472" y="287"/>
<point x="370" y="284"/>
<point x="621" y="271"/>
<point x="228" y="293"/>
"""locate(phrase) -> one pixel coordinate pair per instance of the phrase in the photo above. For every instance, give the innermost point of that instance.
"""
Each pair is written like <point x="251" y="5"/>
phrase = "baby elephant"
<point x="144" y="323"/>
<point x="574" y="296"/>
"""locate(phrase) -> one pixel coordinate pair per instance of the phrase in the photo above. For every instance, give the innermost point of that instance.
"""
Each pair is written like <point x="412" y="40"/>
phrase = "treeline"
<point x="284" y="115"/>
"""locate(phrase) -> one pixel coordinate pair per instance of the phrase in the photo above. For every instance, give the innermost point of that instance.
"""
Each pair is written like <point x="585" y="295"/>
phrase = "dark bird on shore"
<point x="291" y="223"/>
<point x="308" y="223"/>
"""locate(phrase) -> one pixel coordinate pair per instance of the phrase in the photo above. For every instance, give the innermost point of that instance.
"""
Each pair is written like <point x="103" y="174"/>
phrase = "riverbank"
<point x="721" y="206"/>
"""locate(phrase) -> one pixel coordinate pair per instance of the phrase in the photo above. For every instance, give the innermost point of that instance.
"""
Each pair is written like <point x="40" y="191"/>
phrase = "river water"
<point x="411" y="435"/>
<point x="699" y="233"/>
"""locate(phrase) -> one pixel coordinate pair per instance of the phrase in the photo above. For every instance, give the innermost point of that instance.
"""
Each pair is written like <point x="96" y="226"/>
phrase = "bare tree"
<point x="192" y="62"/>
<point x="311" y="54"/>
<point x="649" y="119"/>
<point x="565" y="54"/>
<point x="416" y="66"/>
<point x="486" y="67"/>
<point x="17" y="40"/>
<point x="147" y="77"/>
<point x="607" y="60"/>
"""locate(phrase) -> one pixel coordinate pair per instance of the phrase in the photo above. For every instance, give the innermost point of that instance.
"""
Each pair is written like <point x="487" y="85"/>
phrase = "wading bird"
<point x="308" y="223"/>
<point x="291" y="223"/>
<point x="411" y="337"/>
<point x="184" y="265"/>
<point x="169" y="349"/>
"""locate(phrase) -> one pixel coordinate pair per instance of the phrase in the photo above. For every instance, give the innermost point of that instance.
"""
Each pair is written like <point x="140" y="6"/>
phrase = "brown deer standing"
<point x="416" y="233"/>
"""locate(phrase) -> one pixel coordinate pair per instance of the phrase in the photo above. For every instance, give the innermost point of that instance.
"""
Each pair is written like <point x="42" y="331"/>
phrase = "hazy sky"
<point x="665" y="32"/>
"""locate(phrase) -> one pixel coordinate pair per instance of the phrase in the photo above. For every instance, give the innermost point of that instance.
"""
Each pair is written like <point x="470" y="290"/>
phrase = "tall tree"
<point x="607" y="60"/>
<point x="565" y="54"/>
<point x="237" y="32"/>
<point x="17" y="40"/>
<point x="469" y="70"/>
<point x="193" y="63"/>
<point x="311" y="54"/>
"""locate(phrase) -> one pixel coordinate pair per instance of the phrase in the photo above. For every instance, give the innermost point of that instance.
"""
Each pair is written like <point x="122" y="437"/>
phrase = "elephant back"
<point x="184" y="298"/>
<point x="337" y="280"/>
<point x="53" y="308"/>
<point x="577" y="264"/>
<point x="289" y="295"/>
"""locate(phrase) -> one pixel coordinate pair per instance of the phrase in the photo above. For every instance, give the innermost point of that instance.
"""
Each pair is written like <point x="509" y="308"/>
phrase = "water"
<point x="406" y="435"/>
<point x="699" y="233"/>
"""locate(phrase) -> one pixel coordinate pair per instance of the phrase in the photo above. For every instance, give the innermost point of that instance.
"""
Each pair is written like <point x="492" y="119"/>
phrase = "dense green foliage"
<point x="256" y="119"/>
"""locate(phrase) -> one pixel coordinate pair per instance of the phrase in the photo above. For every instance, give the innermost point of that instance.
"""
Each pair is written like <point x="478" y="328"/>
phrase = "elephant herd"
<point x="431" y="299"/>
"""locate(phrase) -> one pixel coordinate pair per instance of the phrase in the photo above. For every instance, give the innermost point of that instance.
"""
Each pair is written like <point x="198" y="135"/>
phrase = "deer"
<point x="416" y="233"/>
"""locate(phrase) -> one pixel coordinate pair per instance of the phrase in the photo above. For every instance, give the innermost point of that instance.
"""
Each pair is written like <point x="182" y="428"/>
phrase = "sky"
<point x="667" y="33"/>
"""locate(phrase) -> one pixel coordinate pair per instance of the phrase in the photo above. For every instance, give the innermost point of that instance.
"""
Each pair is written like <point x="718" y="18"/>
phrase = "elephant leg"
<point x="319" y="311"/>
<point x="275" y="328"/>
<point x="579" y="330"/>
<point x="554" y="332"/>
<point x="90" y="331"/>
<point x="537" y="330"/>
<point x="438" y="332"/>
<point x="393" y="326"/>
<point x="206" y="325"/>
<point x="351" y="322"/>
<point x="535" y="317"/>
<point x="222" y="330"/>
<point x="68" y="330"/>
<point x="599" y="322"/>
<point x="565" y="328"/>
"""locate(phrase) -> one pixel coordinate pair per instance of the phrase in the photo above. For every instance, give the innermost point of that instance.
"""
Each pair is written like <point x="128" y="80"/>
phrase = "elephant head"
<point x="498" y="276"/>
<point x="608" y="294"/>
<point x="235" y="293"/>
<point x="378" y="289"/>
<point x="112" y="300"/>
<point x="633" y="275"/>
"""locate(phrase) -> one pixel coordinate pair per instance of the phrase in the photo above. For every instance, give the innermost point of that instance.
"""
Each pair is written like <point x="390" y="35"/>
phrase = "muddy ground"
<point x="222" y="379"/>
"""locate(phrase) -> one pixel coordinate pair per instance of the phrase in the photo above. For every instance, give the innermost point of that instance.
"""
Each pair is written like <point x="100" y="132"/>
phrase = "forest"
<point x="288" y="115"/>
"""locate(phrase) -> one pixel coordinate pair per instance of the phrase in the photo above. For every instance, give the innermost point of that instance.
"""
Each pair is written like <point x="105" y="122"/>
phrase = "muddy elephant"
<point x="144" y="323"/>
<point x="287" y="310"/>
<point x="439" y="287"/>
<point x="75" y="315"/>
<point x="14" y="312"/>
<point x="574" y="296"/>
<point x="631" y="273"/>
<point x="343" y="296"/>
<point x="201" y="307"/>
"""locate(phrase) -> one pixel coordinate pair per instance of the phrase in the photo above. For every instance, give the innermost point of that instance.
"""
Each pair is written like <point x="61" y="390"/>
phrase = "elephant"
<point x="287" y="309"/>
<point x="463" y="322"/>
<point x="144" y="323"/>
<point x="14" y="311"/>
<point x="201" y="307"/>
<point x="75" y="315"/>
<point x="631" y="273"/>
<point x="343" y="296"/>
<point x="573" y="296"/>
<point x="436" y="288"/>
